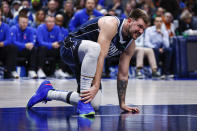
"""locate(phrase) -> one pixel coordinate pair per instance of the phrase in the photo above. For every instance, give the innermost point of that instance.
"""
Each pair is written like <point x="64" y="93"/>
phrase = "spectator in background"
<point x="168" y="24"/>
<point x="48" y="36"/>
<point x="117" y="6"/>
<point x="15" y="7"/>
<point x="84" y="15"/>
<point x="100" y="4"/>
<point x="79" y="4"/>
<point x="111" y="12"/>
<point x="7" y="51"/>
<point x="35" y="6"/>
<point x="140" y="53"/>
<point x="39" y="18"/>
<point x="159" y="12"/>
<point x="59" y="20"/>
<point x="157" y="38"/>
<point x="51" y="8"/>
<point x="185" y="22"/>
<point x="128" y="8"/>
<point x="171" y="6"/>
<point x="26" y="4"/>
<point x="22" y="37"/>
<point x="7" y="15"/>
<point x="68" y="12"/>
<point x="59" y="4"/>
<point x="23" y="10"/>
<point x="140" y="3"/>
<point x="148" y="9"/>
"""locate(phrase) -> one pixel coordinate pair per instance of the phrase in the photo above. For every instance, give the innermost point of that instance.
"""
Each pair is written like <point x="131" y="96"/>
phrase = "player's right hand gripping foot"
<point x="85" y="110"/>
<point x="41" y="94"/>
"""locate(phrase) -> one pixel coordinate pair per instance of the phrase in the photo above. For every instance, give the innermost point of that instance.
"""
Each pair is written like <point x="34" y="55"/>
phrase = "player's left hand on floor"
<point x="130" y="109"/>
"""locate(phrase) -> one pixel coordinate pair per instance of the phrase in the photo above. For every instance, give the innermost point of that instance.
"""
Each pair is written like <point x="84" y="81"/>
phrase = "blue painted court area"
<point x="108" y="118"/>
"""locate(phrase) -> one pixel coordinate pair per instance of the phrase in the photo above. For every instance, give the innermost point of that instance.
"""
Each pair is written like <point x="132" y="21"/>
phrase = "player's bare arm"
<point x="108" y="28"/>
<point x="122" y="79"/>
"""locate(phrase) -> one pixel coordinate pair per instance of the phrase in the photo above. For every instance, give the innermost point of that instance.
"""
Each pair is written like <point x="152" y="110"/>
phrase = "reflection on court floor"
<point x="165" y="106"/>
<point x="108" y="118"/>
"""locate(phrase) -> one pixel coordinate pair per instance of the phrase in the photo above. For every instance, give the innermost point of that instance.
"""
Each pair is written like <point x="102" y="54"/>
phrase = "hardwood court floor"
<point x="164" y="106"/>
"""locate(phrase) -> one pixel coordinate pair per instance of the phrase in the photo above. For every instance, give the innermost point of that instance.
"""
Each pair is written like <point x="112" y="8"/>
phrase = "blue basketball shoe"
<point x="85" y="110"/>
<point x="41" y="94"/>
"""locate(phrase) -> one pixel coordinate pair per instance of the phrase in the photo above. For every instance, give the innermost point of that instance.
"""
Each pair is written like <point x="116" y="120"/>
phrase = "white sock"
<point x="85" y="83"/>
<point x="57" y="95"/>
<point x="65" y="96"/>
<point x="72" y="97"/>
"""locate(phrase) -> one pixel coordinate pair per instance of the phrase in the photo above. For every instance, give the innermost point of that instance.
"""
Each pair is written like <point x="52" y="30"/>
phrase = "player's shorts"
<point x="69" y="55"/>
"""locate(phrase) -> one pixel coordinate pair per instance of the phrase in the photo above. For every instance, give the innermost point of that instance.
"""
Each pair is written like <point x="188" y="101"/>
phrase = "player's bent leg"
<point x="88" y="53"/>
<point x="41" y="94"/>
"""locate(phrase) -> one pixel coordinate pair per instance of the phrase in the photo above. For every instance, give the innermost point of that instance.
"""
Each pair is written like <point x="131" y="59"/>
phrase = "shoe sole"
<point x="90" y="114"/>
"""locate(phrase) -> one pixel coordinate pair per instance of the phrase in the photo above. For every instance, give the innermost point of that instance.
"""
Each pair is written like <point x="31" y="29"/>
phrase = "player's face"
<point x="136" y="28"/>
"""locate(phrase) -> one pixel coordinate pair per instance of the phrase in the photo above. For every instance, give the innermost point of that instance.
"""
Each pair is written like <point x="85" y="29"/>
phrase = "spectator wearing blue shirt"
<point x="23" y="10"/>
<point x="48" y="37"/>
<point x="80" y="17"/>
<point x="23" y="37"/>
<point x="157" y="38"/>
<point x="7" y="51"/>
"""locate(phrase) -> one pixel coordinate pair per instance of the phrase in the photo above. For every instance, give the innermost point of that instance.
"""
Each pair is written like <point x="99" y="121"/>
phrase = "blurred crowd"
<point x="32" y="29"/>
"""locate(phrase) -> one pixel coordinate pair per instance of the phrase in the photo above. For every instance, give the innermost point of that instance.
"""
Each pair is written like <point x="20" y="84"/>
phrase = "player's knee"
<point x="94" y="50"/>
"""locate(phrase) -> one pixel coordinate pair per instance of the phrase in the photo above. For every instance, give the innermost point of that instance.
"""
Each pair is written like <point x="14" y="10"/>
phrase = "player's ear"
<point x="129" y="20"/>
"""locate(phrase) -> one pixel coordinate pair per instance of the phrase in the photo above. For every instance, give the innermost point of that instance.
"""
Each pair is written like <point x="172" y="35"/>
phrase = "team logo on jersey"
<point x="113" y="50"/>
<point x="52" y="36"/>
<point x="24" y="37"/>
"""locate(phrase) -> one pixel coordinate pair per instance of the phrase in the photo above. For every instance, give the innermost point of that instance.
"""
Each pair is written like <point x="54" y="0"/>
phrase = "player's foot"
<point x="85" y="110"/>
<point x="41" y="94"/>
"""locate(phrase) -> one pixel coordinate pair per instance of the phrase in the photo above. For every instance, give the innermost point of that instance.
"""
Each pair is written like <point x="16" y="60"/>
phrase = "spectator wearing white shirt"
<point x="157" y="38"/>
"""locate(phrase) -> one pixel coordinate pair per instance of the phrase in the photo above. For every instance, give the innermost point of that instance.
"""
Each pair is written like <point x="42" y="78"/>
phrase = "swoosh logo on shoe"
<point x="48" y="84"/>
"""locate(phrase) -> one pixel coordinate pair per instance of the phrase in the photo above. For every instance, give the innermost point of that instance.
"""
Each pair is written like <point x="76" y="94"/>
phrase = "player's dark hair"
<point x="139" y="13"/>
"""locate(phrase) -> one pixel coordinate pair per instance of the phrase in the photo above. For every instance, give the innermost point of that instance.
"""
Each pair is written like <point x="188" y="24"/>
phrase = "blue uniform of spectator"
<point x="81" y="17"/>
<point x="20" y="38"/>
<point x="14" y="21"/>
<point x="23" y="37"/>
<point x="4" y="37"/>
<point x="7" y="51"/>
<point x="63" y="33"/>
<point x="46" y="38"/>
